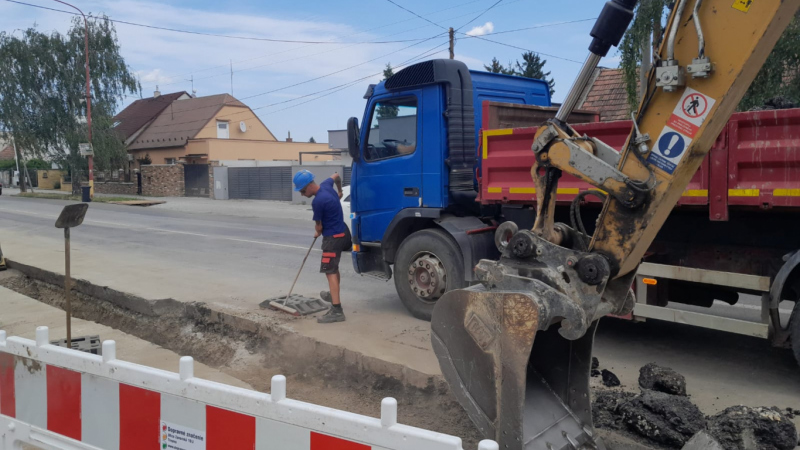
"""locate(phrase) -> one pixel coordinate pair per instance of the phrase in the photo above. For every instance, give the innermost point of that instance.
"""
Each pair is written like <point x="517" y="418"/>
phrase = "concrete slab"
<point x="21" y="315"/>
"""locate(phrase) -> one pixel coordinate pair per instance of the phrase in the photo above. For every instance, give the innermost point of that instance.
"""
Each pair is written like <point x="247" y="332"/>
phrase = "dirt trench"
<point x="256" y="355"/>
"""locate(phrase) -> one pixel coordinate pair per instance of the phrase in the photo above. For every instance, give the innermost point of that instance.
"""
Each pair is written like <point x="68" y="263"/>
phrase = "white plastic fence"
<point x="55" y="398"/>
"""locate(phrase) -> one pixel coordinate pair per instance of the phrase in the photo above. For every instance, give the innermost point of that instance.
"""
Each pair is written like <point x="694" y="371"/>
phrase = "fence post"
<point x="186" y="367"/>
<point x="278" y="388"/>
<point x="109" y="351"/>
<point x="488" y="444"/>
<point x="388" y="412"/>
<point x="42" y="336"/>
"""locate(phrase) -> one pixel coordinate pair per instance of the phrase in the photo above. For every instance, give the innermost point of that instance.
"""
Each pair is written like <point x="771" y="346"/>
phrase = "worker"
<point x="329" y="223"/>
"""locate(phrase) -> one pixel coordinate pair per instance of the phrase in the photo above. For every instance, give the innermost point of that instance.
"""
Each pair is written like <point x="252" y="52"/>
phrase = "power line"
<point x="426" y="54"/>
<point x="291" y="86"/>
<point x="201" y="33"/>
<point x="544" y="25"/>
<point x="334" y="89"/>
<point x="304" y="46"/>
<point x="482" y="38"/>
<point x="479" y="15"/>
<point x="507" y="3"/>
<point x="412" y="12"/>
<point x="523" y="48"/>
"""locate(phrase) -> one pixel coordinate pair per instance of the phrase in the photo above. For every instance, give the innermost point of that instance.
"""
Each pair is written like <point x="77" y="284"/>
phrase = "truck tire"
<point x="794" y="331"/>
<point x="428" y="264"/>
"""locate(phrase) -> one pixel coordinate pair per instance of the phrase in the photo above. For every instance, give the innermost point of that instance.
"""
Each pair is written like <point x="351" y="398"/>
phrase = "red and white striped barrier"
<point x="53" y="397"/>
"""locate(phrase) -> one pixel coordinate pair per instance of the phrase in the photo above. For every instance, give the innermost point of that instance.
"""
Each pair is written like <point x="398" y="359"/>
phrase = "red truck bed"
<point x="755" y="162"/>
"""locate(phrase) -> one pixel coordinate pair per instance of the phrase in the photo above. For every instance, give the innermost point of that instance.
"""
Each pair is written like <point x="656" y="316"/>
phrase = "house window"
<point x="222" y="130"/>
<point x="170" y="160"/>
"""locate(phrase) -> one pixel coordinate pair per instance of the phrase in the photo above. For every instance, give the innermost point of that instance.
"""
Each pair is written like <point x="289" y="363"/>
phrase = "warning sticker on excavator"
<point x="670" y="148"/>
<point x="742" y="5"/>
<point x="690" y="112"/>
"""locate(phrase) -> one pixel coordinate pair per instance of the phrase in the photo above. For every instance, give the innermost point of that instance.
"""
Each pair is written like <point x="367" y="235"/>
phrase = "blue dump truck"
<point x="414" y="178"/>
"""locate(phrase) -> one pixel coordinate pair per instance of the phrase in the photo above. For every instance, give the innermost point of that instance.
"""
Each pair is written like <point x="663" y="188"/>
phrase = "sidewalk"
<point x="207" y="206"/>
<point x="21" y="316"/>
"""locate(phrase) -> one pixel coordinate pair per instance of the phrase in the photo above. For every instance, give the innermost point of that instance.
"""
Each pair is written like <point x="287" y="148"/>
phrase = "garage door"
<point x="260" y="183"/>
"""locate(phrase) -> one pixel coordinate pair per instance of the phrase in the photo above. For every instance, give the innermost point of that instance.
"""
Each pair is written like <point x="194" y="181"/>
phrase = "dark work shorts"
<point x="332" y="248"/>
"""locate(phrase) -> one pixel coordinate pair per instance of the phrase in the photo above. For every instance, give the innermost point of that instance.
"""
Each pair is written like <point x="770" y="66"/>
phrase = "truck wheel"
<point x="428" y="264"/>
<point x="794" y="331"/>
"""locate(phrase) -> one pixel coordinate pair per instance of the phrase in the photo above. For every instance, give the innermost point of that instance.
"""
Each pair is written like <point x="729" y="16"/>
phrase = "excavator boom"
<point x="516" y="348"/>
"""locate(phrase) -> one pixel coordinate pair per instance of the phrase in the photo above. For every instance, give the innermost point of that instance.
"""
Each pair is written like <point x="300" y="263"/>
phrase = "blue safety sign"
<point x="669" y="149"/>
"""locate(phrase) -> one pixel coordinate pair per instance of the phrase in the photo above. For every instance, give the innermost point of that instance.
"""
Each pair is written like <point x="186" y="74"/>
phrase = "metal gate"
<point x="221" y="183"/>
<point x="260" y="183"/>
<point x="195" y="177"/>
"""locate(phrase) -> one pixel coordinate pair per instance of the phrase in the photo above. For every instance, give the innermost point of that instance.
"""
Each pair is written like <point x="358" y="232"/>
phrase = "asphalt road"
<point x="238" y="261"/>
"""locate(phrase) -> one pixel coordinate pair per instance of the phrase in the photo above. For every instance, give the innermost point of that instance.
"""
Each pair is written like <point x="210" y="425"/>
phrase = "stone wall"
<point x="117" y="188"/>
<point x="211" y="166"/>
<point x="163" y="180"/>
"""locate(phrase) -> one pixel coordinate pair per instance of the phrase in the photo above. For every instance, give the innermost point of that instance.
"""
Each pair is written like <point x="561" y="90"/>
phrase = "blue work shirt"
<point x="327" y="209"/>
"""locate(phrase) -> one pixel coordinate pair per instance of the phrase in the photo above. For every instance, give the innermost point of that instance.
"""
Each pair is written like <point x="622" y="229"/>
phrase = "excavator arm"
<point x="516" y="348"/>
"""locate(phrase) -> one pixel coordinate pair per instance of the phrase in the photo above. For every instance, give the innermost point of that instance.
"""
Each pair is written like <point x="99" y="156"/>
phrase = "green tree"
<point x="532" y="66"/>
<point x="312" y="140"/>
<point x="385" y="111"/>
<point x="777" y="77"/>
<point x="496" y="67"/>
<point x="43" y="88"/>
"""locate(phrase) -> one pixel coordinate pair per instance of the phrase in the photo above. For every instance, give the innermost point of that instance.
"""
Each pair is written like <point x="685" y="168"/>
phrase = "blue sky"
<point x="327" y="89"/>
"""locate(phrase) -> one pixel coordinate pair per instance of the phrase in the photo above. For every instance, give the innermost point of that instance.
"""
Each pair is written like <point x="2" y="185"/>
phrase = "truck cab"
<point x="414" y="176"/>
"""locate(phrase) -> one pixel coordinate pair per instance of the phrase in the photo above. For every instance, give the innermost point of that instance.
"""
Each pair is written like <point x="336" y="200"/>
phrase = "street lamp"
<point x="88" y="96"/>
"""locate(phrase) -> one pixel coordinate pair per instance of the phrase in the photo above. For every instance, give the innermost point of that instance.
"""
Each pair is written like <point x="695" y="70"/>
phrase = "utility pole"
<point x="88" y="98"/>
<point x="16" y="160"/>
<point x="452" y="43"/>
<point x="231" y="77"/>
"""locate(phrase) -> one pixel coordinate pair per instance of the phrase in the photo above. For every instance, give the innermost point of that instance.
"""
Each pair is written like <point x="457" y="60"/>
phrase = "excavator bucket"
<point x="520" y="381"/>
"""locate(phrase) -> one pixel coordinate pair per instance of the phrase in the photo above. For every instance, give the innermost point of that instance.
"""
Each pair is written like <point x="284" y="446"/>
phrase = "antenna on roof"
<point x="157" y="93"/>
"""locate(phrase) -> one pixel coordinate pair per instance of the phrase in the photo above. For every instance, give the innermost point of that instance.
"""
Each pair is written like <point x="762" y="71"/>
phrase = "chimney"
<point x="289" y="139"/>
<point x="157" y="93"/>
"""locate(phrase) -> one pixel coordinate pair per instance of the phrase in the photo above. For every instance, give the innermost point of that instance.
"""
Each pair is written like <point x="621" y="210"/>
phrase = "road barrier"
<point x="53" y="397"/>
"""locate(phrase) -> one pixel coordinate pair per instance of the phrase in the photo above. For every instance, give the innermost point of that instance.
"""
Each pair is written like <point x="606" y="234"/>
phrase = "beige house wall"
<point x="230" y="149"/>
<point x="206" y="150"/>
<point x="256" y="130"/>
<point x="48" y="178"/>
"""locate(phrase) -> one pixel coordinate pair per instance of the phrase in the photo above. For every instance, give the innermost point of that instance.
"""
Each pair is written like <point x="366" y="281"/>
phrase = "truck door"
<point x="390" y="170"/>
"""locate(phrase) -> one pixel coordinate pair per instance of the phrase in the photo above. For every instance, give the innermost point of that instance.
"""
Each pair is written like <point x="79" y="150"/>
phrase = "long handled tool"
<point x="301" y="269"/>
<point x="298" y="306"/>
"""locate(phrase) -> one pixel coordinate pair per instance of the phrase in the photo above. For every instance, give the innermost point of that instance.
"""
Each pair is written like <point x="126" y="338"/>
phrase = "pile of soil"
<point x="662" y="379"/>
<point x="605" y="409"/>
<point x="664" y="418"/>
<point x="745" y="428"/>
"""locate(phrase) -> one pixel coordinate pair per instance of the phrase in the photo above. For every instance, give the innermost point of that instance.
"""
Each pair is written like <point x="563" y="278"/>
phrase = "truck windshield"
<point x="392" y="129"/>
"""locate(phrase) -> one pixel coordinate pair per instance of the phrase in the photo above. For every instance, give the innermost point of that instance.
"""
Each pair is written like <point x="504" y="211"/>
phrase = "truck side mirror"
<point x="353" y="138"/>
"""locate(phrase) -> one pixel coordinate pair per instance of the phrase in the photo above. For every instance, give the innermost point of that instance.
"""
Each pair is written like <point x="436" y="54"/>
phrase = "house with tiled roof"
<point x="132" y="120"/>
<point x="606" y="94"/>
<point x="199" y="130"/>
<point x="6" y="152"/>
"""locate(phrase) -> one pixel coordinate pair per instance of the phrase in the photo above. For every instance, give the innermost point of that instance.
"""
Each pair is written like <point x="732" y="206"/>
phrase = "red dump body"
<point x="755" y="162"/>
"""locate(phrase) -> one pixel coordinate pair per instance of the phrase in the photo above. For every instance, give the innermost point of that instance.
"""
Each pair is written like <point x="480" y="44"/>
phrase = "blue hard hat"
<point x="302" y="179"/>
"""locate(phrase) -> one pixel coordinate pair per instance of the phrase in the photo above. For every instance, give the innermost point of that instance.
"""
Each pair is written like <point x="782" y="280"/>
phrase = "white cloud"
<point x="486" y="28"/>
<point x="152" y="77"/>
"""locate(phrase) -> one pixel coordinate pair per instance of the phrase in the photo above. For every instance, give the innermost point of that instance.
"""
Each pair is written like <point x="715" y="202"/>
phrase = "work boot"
<point x="326" y="296"/>
<point x="335" y="314"/>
